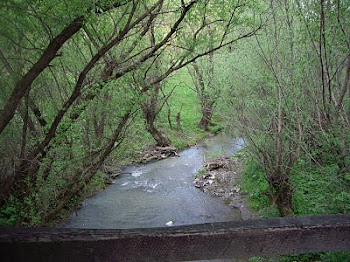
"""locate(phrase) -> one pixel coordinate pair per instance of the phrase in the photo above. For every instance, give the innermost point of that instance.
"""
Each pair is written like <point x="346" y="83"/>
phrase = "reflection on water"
<point x="157" y="193"/>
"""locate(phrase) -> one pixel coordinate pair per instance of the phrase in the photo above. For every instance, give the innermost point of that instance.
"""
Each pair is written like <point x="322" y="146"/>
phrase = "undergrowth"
<point x="319" y="189"/>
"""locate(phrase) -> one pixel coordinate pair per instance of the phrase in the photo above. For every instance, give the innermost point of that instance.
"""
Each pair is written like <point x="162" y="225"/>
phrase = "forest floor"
<point x="220" y="177"/>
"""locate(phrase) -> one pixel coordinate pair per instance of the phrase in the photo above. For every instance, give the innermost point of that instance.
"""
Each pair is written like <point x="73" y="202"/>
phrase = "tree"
<point x="286" y="104"/>
<point x="134" y="16"/>
<point x="152" y="103"/>
<point x="207" y="90"/>
<point x="55" y="81"/>
<point x="202" y="71"/>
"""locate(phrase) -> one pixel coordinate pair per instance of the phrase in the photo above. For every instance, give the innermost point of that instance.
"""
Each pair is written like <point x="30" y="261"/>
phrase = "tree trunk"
<point x="284" y="203"/>
<point x="24" y="84"/>
<point x="207" y="102"/>
<point x="161" y="139"/>
<point x="207" y="112"/>
<point x="23" y="154"/>
<point x="282" y="193"/>
<point x="150" y="108"/>
<point x="178" y="121"/>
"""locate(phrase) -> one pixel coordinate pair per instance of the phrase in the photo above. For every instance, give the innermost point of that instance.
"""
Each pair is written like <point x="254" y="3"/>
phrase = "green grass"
<point x="184" y="98"/>
<point x="254" y="184"/>
<point x="200" y="173"/>
<point x="318" y="190"/>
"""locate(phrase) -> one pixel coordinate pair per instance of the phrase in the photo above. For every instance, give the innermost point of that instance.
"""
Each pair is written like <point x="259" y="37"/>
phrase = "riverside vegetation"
<point x="92" y="83"/>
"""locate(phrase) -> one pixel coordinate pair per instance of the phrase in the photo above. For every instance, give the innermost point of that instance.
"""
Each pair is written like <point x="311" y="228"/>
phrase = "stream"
<point x="160" y="193"/>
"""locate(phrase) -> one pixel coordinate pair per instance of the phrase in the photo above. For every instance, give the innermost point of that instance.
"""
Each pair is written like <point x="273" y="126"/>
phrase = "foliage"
<point x="9" y="213"/>
<point x="254" y="185"/>
<point x="75" y="76"/>
<point x="278" y="96"/>
<point x="318" y="190"/>
<point x="283" y="89"/>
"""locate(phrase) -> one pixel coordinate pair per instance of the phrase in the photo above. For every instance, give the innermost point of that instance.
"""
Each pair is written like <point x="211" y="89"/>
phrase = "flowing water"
<point x="154" y="194"/>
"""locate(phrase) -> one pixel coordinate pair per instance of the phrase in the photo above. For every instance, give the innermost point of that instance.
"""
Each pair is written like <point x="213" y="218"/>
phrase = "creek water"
<point x="154" y="194"/>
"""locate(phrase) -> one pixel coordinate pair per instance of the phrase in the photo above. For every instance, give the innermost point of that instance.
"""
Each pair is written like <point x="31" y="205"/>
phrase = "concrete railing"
<point x="263" y="237"/>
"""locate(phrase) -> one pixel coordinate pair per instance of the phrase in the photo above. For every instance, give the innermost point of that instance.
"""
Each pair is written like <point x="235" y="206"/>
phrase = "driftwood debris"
<point x="157" y="153"/>
<point x="216" y="171"/>
<point x="110" y="170"/>
<point x="112" y="173"/>
<point x="218" y="162"/>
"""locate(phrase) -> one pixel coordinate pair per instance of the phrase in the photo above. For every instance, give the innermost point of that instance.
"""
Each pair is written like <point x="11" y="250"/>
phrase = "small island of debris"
<point x="219" y="177"/>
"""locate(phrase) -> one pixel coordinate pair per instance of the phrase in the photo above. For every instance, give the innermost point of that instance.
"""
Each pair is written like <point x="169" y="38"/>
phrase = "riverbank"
<point x="220" y="177"/>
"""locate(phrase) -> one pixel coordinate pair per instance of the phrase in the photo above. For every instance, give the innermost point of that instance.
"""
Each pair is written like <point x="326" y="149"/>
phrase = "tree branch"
<point x="26" y="81"/>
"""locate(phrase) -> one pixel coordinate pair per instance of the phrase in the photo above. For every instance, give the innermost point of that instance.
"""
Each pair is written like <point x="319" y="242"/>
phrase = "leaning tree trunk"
<point x="44" y="61"/>
<point x="150" y="115"/>
<point x="159" y="137"/>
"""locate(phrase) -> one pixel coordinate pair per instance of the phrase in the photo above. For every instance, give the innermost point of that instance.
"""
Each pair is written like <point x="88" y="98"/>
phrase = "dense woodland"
<point x="88" y="84"/>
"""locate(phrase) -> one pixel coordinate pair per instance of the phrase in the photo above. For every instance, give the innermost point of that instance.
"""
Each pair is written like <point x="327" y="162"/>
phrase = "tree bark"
<point x="159" y="137"/>
<point x="207" y="112"/>
<point x="25" y="128"/>
<point x="206" y="101"/>
<point x="281" y="193"/>
<point x="35" y="109"/>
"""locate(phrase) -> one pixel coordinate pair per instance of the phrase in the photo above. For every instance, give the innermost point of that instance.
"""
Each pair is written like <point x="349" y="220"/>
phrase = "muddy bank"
<point x="220" y="177"/>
